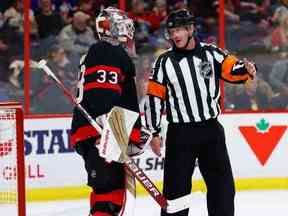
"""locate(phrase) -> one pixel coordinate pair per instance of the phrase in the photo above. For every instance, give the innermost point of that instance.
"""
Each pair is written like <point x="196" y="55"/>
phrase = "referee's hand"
<point x="250" y="67"/>
<point x="156" y="145"/>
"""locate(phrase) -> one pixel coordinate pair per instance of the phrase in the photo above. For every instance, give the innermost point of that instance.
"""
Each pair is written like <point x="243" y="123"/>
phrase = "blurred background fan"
<point x="284" y="2"/>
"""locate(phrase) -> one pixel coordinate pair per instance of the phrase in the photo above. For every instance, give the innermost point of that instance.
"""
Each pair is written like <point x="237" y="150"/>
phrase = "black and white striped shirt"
<point x="187" y="84"/>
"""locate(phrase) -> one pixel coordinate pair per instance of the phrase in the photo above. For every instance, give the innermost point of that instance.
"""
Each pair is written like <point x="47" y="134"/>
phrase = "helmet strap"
<point x="189" y="38"/>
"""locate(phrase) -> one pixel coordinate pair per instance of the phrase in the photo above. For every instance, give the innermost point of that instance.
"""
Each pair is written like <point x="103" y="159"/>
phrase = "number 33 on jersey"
<point x="101" y="77"/>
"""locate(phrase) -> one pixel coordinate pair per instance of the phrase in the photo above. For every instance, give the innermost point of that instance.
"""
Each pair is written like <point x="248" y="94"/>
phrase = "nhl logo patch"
<point x="205" y="69"/>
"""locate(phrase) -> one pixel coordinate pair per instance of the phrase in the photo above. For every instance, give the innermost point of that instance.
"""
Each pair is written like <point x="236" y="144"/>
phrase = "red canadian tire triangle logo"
<point x="263" y="138"/>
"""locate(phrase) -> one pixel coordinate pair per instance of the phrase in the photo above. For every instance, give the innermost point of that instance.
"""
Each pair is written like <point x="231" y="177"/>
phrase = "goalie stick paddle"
<point x="129" y="164"/>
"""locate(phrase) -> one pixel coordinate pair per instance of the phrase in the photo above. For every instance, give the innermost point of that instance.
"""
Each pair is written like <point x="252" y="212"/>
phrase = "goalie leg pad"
<point x="106" y="203"/>
<point x="103" y="176"/>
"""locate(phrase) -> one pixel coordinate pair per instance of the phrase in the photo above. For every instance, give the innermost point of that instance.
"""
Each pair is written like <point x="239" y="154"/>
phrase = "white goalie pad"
<point x="115" y="135"/>
<point x="130" y="196"/>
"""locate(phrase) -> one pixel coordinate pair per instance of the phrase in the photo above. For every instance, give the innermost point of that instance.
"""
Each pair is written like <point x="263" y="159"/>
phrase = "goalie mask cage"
<point x="12" y="167"/>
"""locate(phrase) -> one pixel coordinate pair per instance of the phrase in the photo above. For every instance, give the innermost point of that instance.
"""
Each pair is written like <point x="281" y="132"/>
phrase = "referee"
<point x="185" y="80"/>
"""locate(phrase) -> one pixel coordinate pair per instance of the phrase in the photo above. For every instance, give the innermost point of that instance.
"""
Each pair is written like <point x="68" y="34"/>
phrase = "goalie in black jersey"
<point x="106" y="80"/>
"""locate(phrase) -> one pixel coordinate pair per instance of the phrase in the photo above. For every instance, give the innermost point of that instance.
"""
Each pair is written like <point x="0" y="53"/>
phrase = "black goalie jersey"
<point x="106" y="79"/>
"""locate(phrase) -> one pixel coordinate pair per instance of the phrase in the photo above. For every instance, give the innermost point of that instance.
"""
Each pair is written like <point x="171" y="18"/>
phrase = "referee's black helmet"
<point x="179" y="18"/>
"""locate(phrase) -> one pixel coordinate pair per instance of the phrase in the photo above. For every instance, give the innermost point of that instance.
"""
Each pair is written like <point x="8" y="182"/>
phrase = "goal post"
<point x="12" y="160"/>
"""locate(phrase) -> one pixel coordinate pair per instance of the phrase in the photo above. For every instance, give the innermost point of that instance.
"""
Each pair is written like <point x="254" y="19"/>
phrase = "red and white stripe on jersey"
<point x="94" y="85"/>
<point x="83" y="133"/>
<point x="96" y="68"/>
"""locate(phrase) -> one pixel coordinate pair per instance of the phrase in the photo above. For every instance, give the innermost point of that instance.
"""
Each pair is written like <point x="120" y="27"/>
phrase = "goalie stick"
<point x="171" y="206"/>
<point x="130" y="165"/>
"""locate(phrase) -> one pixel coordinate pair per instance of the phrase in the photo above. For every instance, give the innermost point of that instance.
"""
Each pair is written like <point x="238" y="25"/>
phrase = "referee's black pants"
<point x="206" y="142"/>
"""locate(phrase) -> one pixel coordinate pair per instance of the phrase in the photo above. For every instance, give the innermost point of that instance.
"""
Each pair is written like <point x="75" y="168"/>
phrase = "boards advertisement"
<point x="257" y="145"/>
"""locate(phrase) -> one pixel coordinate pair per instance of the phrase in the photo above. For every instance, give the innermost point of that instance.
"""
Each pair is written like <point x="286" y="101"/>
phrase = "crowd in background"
<point x="61" y="31"/>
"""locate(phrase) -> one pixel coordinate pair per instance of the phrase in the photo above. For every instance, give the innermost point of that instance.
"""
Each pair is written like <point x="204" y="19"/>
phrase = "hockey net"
<point x="12" y="168"/>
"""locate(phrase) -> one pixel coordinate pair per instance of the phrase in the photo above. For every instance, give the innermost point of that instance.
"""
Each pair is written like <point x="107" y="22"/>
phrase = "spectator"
<point x="77" y="37"/>
<point x="8" y="92"/>
<point x="262" y="6"/>
<point x="280" y="100"/>
<point x="15" y="17"/>
<point x="142" y="17"/>
<point x="58" y="3"/>
<point x="45" y="96"/>
<point x="230" y="11"/>
<point x="48" y="92"/>
<point x="10" y="88"/>
<point x="279" y="36"/>
<point x="207" y="18"/>
<point x="49" y="22"/>
<point x="279" y="80"/>
<point x="279" y="74"/>
<point x="146" y="24"/>
<point x="160" y="9"/>
<point x="205" y="9"/>
<point x="10" y="42"/>
<point x="87" y="7"/>
<point x="144" y="68"/>
<point x="59" y="63"/>
<point x="252" y="11"/>
<point x="3" y="45"/>
<point x="277" y="15"/>
<point x="252" y="97"/>
<point x="65" y="11"/>
<point x="177" y="4"/>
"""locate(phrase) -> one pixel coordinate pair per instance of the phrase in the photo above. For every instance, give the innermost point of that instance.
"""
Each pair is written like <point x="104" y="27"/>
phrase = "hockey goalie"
<point x="107" y="80"/>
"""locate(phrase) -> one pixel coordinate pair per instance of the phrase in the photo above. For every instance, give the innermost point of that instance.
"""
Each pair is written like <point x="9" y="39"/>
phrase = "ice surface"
<point x="248" y="203"/>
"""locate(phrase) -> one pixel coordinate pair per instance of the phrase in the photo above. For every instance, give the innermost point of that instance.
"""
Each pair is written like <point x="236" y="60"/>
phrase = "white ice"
<point x="248" y="203"/>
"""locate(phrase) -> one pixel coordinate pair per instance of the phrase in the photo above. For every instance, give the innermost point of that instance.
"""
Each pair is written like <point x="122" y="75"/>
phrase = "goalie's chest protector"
<point x="106" y="79"/>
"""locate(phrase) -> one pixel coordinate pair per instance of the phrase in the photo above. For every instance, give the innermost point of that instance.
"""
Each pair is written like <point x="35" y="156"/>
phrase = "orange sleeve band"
<point x="227" y="67"/>
<point x="156" y="89"/>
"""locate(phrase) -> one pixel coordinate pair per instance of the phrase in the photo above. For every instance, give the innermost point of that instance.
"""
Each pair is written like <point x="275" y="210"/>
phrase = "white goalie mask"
<point x="113" y="24"/>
